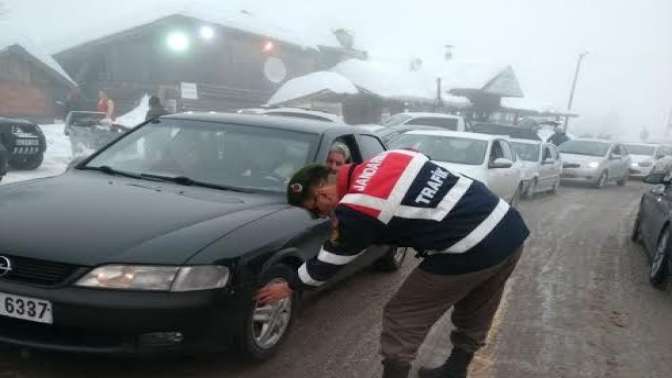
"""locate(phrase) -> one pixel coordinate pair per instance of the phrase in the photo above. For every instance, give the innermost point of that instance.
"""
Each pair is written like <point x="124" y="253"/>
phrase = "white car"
<point x="541" y="165"/>
<point x="644" y="157"/>
<point x="445" y="121"/>
<point x="486" y="158"/>
<point x="595" y="161"/>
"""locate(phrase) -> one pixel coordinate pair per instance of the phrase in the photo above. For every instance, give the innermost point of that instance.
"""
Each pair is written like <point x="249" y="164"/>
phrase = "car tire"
<point x="658" y="268"/>
<point x="26" y="162"/>
<point x="531" y="189"/>
<point x="623" y="180"/>
<point x="392" y="260"/>
<point x="602" y="180"/>
<point x="516" y="196"/>
<point x="266" y="326"/>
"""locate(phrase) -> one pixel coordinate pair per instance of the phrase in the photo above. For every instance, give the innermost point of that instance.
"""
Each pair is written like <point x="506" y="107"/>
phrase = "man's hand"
<point x="273" y="292"/>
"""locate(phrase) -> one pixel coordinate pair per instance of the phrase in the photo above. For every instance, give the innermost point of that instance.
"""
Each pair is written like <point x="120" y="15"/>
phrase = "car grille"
<point x="39" y="272"/>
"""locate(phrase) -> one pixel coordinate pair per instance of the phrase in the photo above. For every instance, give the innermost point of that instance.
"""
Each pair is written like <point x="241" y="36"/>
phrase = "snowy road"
<point x="579" y="306"/>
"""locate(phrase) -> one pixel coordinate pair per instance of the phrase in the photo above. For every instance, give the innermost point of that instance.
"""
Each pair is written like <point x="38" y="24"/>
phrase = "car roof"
<point x="595" y="140"/>
<point x="641" y="144"/>
<point x="428" y="114"/>
<point x="271" y="121"/>
<point x="457" y="134"/>
<point x="526" y="141"/>
<point x="15" y="121"/>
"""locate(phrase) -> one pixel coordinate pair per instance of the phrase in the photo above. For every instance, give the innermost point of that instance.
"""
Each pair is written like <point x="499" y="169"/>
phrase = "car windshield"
<point x="640" y="149"/>
<point x="213" y="153"/>
<point x="444" y="148"/>
<point x="584" y="147"/>
<point x="527" y="151"/>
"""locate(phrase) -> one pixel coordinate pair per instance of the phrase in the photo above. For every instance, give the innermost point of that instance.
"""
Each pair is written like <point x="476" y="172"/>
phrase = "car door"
<point x="655" y="207"/>
<point x="614" y="162"/>
<point x="545" y="167"/>
<point x="556" y="167"/>
<point x="501" y="180"/>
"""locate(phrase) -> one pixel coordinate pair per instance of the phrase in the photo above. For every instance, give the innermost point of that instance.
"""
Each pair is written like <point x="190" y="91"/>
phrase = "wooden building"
<point x="194" y="61"/>
<point x="31" y="82"/>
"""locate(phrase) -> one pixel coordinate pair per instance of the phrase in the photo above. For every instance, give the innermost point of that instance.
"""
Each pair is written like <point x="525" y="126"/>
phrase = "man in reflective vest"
<point x="470" y="241"/>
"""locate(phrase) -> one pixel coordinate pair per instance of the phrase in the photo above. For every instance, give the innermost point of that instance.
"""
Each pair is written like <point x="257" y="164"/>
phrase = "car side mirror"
<point x="657" y="178"/>
<point x="501" y="163"/>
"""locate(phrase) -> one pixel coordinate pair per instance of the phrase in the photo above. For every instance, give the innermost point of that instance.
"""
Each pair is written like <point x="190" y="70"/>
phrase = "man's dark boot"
<point x="456" y="366"/>
<point x="395" y="369"/>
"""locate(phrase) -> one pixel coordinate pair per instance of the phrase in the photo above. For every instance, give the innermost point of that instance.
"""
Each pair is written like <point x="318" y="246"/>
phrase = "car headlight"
<point x="156" y="278"/>
<point x="593" y="164"/>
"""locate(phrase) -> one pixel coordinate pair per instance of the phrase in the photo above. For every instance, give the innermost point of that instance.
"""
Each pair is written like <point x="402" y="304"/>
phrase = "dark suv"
<point x="22" y="144"/>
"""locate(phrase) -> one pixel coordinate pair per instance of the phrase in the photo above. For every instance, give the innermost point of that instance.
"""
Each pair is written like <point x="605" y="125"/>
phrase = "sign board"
<point x="189" y="91"/>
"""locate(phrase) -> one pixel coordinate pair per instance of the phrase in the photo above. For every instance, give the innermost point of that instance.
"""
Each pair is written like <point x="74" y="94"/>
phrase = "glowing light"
<point x="177" y="41"/>
<point x="268" y="46"/>
<point x="207" y="32"/>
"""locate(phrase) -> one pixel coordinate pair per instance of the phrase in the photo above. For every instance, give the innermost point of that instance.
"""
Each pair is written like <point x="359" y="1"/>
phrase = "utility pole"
<point x="576" y="77"/>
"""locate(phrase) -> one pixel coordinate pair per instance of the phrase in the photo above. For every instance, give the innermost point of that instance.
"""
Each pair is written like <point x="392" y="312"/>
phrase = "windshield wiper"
<point x="111" y="171"/>
<point x="184" y="180"/>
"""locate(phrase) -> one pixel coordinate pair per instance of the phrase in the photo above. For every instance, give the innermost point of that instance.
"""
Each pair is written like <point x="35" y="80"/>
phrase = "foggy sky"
<point x="625" y="82"/>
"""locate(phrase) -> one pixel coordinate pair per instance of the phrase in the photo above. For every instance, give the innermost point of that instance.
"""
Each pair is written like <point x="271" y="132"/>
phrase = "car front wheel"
<point x="267" y="325"/>
<point x="658" y="269"/>
<point x="602" y="180"/>
<point x="27" y="162"/>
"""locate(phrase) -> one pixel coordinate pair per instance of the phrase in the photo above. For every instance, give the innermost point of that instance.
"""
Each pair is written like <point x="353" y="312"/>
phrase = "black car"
<point x="160" y="240"/>
<point x="23" y="142"/>
<point x="652" y="227"/>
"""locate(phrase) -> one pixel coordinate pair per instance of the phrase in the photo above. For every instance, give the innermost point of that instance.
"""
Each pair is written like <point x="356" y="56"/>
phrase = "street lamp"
<point x="177" y="41"/>
<point x="571" y="94"/>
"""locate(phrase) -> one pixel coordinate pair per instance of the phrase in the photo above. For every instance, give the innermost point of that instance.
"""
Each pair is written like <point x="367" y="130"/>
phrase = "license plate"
<point x="26" y="308"/>
<point x="27" y="142"/>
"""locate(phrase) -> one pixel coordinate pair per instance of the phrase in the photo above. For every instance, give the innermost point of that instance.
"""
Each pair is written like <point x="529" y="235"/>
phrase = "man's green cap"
<point x="299" y="185"/>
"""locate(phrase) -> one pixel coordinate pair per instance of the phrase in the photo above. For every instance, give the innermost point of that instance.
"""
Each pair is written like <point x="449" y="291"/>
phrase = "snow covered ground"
<point x="56" y="158"/>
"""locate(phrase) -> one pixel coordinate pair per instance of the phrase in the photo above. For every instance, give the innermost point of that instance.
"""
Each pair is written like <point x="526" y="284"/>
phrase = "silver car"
<point x="541" y="165"/>
<point x="595" y="161"/>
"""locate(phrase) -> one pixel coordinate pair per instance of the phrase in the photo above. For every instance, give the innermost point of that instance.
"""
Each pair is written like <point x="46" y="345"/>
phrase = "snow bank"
<point x="135" y="116"/>
<point x="313" y="84"/>
<point x="56" y="158"/>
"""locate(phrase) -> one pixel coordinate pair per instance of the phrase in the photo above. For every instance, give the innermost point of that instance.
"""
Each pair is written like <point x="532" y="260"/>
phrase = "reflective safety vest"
<point x="402" y="198"/>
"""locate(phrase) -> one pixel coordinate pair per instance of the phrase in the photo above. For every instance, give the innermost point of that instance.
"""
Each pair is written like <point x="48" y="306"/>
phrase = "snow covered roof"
<point x="313" y="85"/>
<point x="530" y="105"/>
<point x="388" y="80"/>
<point x="11" y="40"/>
<point x="396" y="80"/>
<point x="93" y="29"/>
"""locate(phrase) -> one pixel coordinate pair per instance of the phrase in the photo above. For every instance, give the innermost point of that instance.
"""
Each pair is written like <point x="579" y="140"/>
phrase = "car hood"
<point x="474" y="171"/>
<point x="581" y="159"/>
<point x="89" y="218"/>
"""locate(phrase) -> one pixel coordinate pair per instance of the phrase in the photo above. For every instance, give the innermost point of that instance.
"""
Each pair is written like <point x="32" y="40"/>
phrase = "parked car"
<point x="644" y="157"/>
<point x="88" y="131"/>
<point x="444" y="121"/>
<point x="541" y="166"/>
<point x="315" y="115"/>
<point x="486" y="158"/>
<point x="652" y="227"/>
<point x="595" y="161"/>
<point x="170" y="231"/>
<point x="24" y="143"/>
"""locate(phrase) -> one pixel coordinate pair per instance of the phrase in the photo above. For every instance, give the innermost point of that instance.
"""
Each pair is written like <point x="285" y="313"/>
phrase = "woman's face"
<point x="334" y="161"/>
